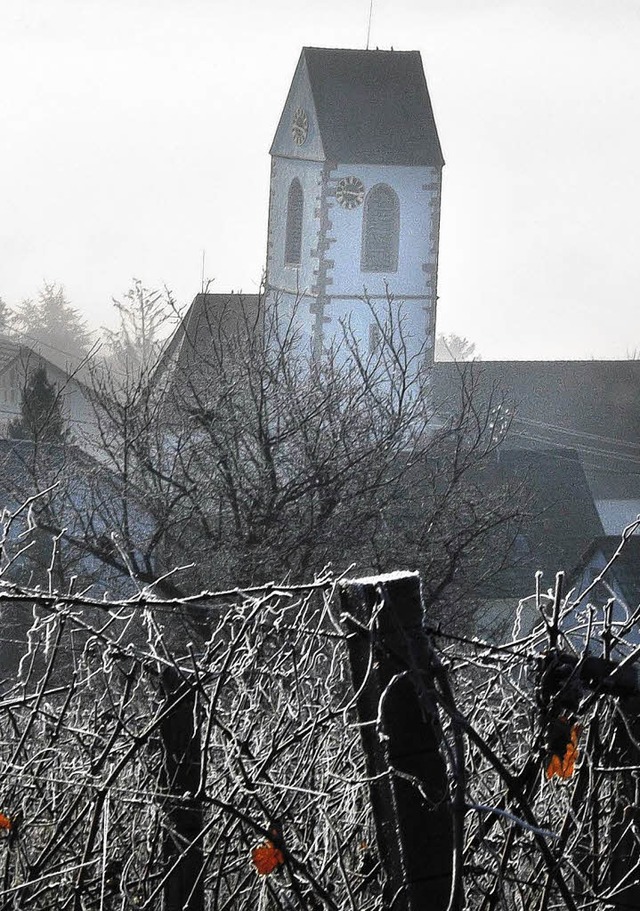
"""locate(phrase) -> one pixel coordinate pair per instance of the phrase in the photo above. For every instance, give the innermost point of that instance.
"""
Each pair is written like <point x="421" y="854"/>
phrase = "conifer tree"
<point x="455" y="348"/>
<point x="41" y="417"/>
<point x="54" y="323"/>
<point x="5" y="316"/>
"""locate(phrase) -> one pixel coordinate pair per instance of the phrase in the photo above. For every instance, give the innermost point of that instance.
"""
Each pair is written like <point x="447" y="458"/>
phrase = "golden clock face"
<point x="299" y="126"/>
<point x="350" y="192"/>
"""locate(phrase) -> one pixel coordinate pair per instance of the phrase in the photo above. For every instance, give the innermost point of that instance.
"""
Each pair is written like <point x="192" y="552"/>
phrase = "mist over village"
<point x="319" y="456"/>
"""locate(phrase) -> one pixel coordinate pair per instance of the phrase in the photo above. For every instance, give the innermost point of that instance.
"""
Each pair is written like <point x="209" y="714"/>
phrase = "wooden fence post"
<point x="184" y="888"/>
<point x="625" y="850"/>
<point x="390" y="666"/>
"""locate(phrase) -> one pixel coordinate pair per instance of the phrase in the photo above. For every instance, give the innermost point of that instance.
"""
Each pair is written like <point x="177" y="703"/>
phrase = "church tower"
<point x="354" y="205"/>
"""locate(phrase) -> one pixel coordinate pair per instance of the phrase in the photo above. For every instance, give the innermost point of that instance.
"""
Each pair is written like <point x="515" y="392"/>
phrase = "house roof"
<point x="27" y="356"/>
<point x="27" y="349"/>
<point x="561" y="516"/>
<point x="9" y="352"/>
<point x="625" y="570"/>
<point x="210" y="319"/>
<point x="85" y="497"/>
<point x="588" y="407"/>
<point x="373" y="106"/>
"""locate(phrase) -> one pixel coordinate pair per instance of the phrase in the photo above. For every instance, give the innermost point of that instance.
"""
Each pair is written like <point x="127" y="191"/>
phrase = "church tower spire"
<point x="354" y="206"/>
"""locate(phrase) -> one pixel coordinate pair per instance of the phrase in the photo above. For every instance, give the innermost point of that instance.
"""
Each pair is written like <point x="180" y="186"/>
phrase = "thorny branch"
<point x="96" y="813"/>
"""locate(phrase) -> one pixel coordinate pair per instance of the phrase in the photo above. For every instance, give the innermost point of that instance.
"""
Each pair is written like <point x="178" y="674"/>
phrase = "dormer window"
<point x="293" y="235"/>
<point x="380" y="230"/>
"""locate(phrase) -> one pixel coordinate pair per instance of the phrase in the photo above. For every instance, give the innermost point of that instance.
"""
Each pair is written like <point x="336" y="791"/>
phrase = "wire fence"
<point x="124" y="767"/>
<point x="212" y="753"/>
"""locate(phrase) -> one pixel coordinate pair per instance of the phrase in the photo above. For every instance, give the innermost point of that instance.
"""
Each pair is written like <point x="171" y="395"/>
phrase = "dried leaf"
<point x="266" y="858"/>
<point x="563" y="766"/>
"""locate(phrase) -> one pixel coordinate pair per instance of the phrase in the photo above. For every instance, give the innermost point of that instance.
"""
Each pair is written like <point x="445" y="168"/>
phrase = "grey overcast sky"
<point x="135" y="134"/>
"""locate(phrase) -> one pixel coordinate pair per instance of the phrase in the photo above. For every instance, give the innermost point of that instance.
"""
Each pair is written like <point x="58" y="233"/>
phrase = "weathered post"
<point x="401" y="736"/>
<point x="182" y="845"/>
<point x="625" y="848"/>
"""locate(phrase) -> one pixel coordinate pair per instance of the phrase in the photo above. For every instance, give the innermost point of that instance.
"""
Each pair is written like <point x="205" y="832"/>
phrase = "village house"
<point x="17" y="362"/>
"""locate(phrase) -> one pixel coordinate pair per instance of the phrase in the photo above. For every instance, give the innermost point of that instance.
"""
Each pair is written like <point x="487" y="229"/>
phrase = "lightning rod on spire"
<point x="369" y="23"/>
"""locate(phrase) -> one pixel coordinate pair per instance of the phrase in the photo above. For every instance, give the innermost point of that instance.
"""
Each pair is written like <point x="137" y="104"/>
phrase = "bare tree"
<point x="144" y="317"/>
<point x="255" y="461"/>
<point x="248" y="461"/>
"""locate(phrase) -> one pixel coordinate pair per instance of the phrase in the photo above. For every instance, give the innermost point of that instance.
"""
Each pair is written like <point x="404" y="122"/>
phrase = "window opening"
<point x="381" y="230"/>
<point x="293" y="236"/>
<point x="375" y="338"/>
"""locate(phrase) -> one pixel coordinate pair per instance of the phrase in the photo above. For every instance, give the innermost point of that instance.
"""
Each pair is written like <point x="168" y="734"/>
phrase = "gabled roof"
<point x="9" y="352"/>
<point x="625" y="570"/>
<point x="26" y="358"/>
<point x="372" y="106"/>
<point x="590" y="407"/>
<point x="209" y="320"/>
<point x="562" y="518"/>
<point x="26" y="348"/>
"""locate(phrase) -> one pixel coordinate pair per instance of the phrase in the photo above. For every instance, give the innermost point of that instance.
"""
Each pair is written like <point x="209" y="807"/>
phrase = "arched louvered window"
<point x="293" y="236"/>
<point x="380" y="230"/>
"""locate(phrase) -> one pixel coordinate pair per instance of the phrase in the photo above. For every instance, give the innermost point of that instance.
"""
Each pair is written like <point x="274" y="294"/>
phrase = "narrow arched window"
<point x="380" y="230"/>
<point x="293" y="236"/>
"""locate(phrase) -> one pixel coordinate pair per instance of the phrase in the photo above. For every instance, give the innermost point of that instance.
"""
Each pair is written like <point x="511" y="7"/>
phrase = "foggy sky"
<point x="135" y="133"/>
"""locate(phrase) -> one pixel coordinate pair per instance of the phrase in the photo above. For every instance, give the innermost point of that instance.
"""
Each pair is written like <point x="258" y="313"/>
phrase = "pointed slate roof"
<point x="372" y="106"/>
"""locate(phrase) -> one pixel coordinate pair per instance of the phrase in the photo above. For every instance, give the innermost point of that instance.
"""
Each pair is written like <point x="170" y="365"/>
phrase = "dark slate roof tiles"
<point x="373" y="106"/>
<point x="562" y="518"/>
<point x="210" y="318"/>
<point x="590" y="407"/>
